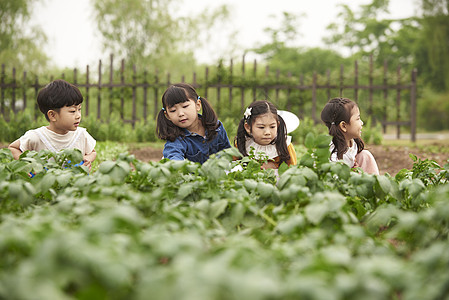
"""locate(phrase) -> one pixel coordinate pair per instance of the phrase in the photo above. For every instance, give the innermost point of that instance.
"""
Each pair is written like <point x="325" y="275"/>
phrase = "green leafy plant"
<point x="178" y="229"/>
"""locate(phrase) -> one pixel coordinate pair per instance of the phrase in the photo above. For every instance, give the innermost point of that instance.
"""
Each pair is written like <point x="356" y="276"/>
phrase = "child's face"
<point x="67" y="119"/>
<point x="184" y="114"/>
<point x="264" y="129"/>
<point x="354" y="128"/>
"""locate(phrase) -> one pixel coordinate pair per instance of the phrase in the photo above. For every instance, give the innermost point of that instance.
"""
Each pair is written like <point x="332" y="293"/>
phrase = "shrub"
<point x="433" y="110"/>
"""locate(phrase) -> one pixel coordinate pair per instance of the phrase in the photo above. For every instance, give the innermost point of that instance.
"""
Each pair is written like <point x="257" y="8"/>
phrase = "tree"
<point x="282" y="55"/>
<point x="434" y="58"/>
<point x="364" y="34"/>
<point x="152" y="32"/>
<point x="20" y="42"/>
<point x="417" y="42"/>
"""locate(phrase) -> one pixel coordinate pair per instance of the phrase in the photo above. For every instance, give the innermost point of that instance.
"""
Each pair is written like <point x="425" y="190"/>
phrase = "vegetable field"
<point x="180" y="230"/>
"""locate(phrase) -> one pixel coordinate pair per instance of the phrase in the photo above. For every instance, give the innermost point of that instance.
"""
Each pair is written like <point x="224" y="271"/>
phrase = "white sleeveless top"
<point x="348" y="157"/>
<point x="43" y="138"/>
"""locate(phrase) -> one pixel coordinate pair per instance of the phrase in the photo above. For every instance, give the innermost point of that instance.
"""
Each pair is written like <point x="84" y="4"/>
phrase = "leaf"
<point x="413" y="157"/>
<point x="282" y="168"/>
<point x="237" y="213"/>
<point x="310" y="140"/>
<point x="185" y="190"/>
<point x="217" y="208"/>
<point x="323" y="141"/>
<point x="315" y="212"/>
<point x="307" y="160"/>
<point x="291" y="224"/>
<point x="63" y="179"/>
<point x="250" y="184"/>
<point x="106" y="166"/>
<point x="384" y="183"/>
<point x="47" y="181"/>
<point x="265" y="190"/>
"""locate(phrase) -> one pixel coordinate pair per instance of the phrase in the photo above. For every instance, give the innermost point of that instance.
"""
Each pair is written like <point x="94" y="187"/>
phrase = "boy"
<point x="60" y="102"/>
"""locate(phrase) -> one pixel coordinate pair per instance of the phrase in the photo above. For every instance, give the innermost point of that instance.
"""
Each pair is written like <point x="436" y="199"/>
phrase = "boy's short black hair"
<point x="57" y="94"/>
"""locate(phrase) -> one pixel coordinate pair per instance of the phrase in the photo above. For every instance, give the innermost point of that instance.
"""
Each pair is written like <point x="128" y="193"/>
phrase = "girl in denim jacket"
<point x="188" y="134"/>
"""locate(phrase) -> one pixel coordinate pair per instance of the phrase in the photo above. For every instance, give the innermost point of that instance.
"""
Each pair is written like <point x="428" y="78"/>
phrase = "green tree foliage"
<point x="435" y="43"/>
<point x="417" y="42"/>
<point x="364" y="34"/>
<point x="152" y="33"/>
<point x="283" y="56"/>
<point x="20" y="42"/>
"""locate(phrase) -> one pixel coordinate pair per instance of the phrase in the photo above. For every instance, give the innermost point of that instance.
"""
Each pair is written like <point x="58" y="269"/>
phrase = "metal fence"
<point x="135" y="96"/>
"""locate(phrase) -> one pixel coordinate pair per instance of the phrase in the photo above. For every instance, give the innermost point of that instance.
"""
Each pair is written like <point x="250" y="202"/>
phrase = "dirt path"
<point x="392" y="159"/>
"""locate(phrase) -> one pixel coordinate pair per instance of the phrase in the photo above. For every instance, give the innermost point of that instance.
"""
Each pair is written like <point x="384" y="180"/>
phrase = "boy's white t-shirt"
<point x="348" y="157"/>
<point x="43" y="138"/>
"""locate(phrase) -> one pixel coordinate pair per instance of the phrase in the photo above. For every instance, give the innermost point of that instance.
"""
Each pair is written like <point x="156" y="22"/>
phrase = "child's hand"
<point x="87" y="162"/>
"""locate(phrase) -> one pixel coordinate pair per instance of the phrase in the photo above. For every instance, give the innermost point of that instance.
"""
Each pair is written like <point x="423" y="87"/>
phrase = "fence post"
<point x="277" y="86"/>
<point x="219" y="70"/>
<point x="36" y="90"/>
<point x="230" y="82"/>
<point x="99" y="92"/>
<point x="145" y="100"/>
<point x="370" y="107"/>
<point x="413" y="102"/>
<point x="314" y="97"/>
<point x="14" y="86"/>
<point x="24" y="90"/>
<point x="385" y="96"/>
<point x="2" y="82"/>
<point x="87" y="90"/>
<point x="156" y="106"/>
<point x="398" y="104"/>
<point x="341" y="79"/>
<point x="122" y="82"/>
<point x="242" y="89"/>
<point x="254" y="75"/>
<point x="134" y="116"/>
<point x="356" y="81"/>
<point x="111" y="74"/>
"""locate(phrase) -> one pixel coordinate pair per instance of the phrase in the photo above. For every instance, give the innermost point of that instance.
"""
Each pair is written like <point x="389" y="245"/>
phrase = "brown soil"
<point x="390" y="159"/>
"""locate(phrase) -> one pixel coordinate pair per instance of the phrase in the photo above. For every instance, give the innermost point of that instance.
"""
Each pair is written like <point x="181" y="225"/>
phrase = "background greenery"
<point x="149" y="33"/>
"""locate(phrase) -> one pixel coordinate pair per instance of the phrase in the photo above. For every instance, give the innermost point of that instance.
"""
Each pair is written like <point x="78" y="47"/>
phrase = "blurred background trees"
<point x="155" y="34"/>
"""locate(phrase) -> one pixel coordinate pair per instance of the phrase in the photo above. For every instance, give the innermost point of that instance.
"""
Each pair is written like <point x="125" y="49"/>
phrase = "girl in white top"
<point x="342" y="118"/>
<point x="60" y="102"/>
<point x="263" y="130"/>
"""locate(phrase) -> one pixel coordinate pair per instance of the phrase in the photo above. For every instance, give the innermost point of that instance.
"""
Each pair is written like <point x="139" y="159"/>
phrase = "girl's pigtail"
<point x="360" y="144"/>
<point x="240" y="138"/>
<point x="165" y="129"/>
<point x="281" y="141"/>
<point x="338" y="139"/>
<point x="209" y="119"/>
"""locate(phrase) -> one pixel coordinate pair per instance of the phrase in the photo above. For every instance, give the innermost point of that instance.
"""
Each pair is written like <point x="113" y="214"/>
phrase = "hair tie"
<point x="333" y="123"/>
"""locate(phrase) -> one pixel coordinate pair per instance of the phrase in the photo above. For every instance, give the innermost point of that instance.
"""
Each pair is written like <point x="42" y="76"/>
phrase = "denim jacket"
<point x="195" y="147"/>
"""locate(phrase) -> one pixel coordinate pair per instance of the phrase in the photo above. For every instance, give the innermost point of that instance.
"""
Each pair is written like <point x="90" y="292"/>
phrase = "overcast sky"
<point x="72" y="42"/>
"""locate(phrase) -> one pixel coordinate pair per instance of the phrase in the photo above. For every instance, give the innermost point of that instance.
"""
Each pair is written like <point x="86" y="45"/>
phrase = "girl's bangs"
<point x="174" y="96"/>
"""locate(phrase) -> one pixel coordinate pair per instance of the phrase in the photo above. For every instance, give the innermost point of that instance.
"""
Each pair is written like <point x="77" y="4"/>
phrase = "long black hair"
<point x="178" y="93"/>
<point x="338" y="110"/>
<point x="258" y="108"/>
